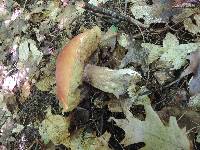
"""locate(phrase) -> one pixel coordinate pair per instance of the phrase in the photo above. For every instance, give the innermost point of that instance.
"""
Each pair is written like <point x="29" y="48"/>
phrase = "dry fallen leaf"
<point x="26" y="89"/>
<point x="153" y="132"/>
<point x="88" y="141"/>
<point x="194" y="101"/>
<point x="172" y="53"/>
<point x="54" y="128"/>
<point x="45" y="83"/>
<point x="193" y="27"/>
<point x="158" y="11"/>
<point x="6" y="123"/>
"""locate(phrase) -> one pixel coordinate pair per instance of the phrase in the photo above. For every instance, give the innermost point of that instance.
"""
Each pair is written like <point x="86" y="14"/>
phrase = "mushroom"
<point x="70" y="65"/>
<point x="111" y="80"/>
<point x="71" y="69"/>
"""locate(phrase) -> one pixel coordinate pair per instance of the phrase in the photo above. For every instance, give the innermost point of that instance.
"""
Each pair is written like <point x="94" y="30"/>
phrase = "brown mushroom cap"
<point x="69" y="66"/>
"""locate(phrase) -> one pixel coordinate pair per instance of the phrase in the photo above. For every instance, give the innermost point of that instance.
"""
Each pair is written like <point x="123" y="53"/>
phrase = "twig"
<point x="111" y="13"/>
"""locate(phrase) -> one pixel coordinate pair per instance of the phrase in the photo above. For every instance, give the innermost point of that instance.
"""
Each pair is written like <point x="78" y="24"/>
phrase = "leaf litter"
<point x="125" y="95"/>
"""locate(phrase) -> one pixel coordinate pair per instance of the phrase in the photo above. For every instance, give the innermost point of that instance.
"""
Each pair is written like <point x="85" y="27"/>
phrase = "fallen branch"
<point x="110" y="13"/>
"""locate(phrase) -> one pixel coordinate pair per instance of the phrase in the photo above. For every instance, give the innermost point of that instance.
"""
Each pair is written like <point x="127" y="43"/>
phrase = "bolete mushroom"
<point x="70" y="65"/>
<point x="70" y="71"/>
<point x="115" y="81"/>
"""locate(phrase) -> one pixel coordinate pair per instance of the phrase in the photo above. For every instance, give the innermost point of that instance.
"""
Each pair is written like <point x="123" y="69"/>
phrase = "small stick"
<point x="173" y="82"/>
<point x="111" y="13"/>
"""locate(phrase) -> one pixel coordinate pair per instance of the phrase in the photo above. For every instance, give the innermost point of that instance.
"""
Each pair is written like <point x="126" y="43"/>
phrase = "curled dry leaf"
<point x="69" y="66"/>
<point x="194" y="67"/>
<point x="111" y="81"/>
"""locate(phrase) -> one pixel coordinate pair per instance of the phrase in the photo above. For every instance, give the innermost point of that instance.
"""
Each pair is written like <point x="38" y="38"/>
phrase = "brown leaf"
<point x="26" y="89"/>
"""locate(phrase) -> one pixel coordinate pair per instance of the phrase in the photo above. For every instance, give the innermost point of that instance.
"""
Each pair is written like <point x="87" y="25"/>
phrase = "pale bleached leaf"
<point x="23" y="51"/>
<point x="153" y="132"/>
<point x="172" y="53"/>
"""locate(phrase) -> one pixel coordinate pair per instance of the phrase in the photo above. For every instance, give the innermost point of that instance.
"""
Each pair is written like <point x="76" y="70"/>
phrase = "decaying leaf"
<point x="36" y="55"/>
<point x="109" y="38"/>
<point x="124" y="40"/>
<point x="69" y="14"/>
<point x="120" y="105"/>
<point x="29" y="52"/>
<point x="26" y="89"/>
<point x="153" y="132"/>
<point x="6" y="122"/>
<point x="162" y="77"/>
<point x="190" y="26"/>
<point x="3" y="11"/>
<point x="53" y="10"/>
<point x="18" y="128"/>
<point x="158" y="12"/>
<point x="195" y="101"/>
<point x="137" y="96"/>
<point x="111" y="81"/>
<point x="9" y="82"/>
<point x="23" y="51"/>
<point x="54" y="128"/>
<point x="186" y="117"/>
<point x="46" y="83"/>
<point x="88" y="141"/>
<point x="114" y="105"/>
<point x="185" y="14"/>
<point x="171" y="53"/>
<point x="135" y="54"/>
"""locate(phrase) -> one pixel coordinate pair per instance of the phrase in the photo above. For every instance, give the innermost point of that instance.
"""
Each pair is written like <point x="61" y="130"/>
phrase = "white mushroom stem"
<point x="111" y="81"/>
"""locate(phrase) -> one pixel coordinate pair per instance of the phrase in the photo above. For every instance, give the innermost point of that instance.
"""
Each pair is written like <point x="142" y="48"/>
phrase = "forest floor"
<point x="143" y="89"/>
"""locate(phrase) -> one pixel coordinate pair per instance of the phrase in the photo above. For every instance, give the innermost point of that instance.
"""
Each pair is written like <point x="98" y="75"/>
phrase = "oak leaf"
<point x="153" y="132"/>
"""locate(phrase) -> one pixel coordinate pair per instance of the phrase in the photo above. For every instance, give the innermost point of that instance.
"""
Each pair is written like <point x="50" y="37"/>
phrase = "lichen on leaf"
<point x="88" y="141"/>
<point x="28" y="51"/>
<point x="55" y="129"/>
